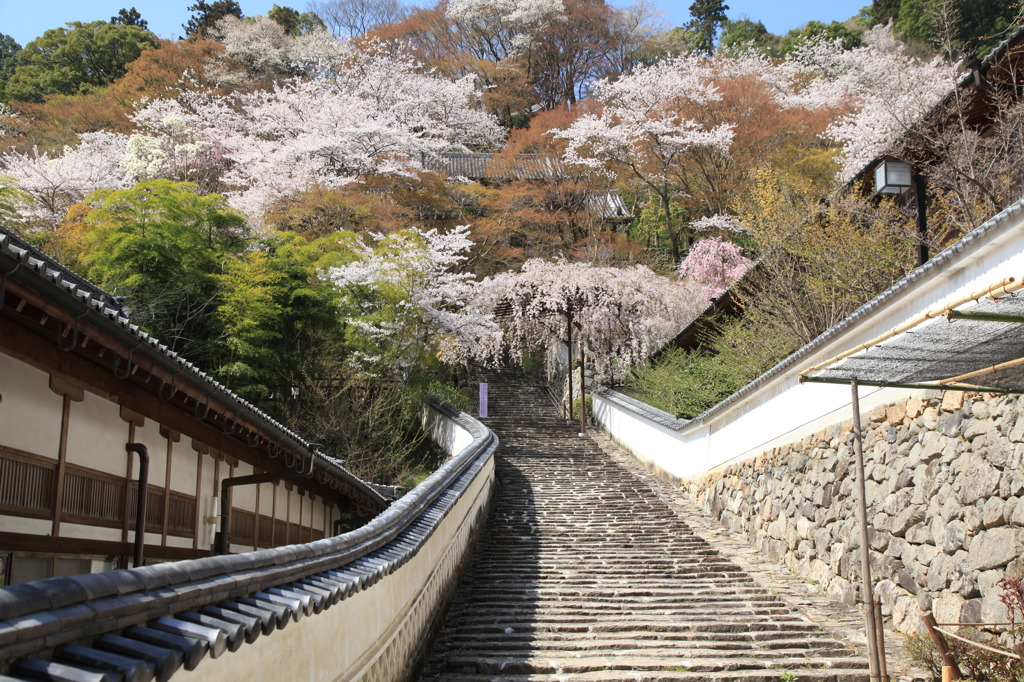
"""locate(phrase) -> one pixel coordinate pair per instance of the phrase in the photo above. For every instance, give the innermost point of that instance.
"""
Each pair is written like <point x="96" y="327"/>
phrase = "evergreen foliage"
<point x="76" y="59"/>
<point x="207" y="14"/>
<point x="706" y="20"/>
<point x="129" y="17"/>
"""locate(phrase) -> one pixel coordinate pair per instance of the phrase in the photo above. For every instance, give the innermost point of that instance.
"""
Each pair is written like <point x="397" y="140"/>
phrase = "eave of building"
<point x="73" y="303"/>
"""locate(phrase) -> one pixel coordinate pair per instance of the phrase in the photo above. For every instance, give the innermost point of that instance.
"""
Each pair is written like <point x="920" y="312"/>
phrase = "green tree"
<point x="815" y="30"/>
<point x="881" y="11"/>
<point x="706" y="19"/>
<point x="974" y="26"/>
<point x="129" y="17"/>
<point x="293" y="22"/>
<point x="9" y="49"/>
<point x="279" y="315"/>
<point x="163" y="246"/>
<point x="77" y="59"/>
<point x="207" y="14"/>
<point x="744" y="34"/>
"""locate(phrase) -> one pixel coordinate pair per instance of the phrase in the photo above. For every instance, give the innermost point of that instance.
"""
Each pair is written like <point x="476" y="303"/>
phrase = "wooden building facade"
<point x="78" y="383"/>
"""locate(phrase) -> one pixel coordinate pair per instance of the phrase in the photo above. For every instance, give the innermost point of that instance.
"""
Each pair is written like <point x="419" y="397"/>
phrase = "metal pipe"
<point x="223" y="540"/>
<point x="865" y="557"/>
<point x="568" y="348"/>
<point x="915" y="384"/>
<point x="140" y="505"/>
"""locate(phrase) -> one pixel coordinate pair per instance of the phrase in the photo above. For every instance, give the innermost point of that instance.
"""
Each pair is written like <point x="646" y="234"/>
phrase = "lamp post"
<point x="895" y="177"/>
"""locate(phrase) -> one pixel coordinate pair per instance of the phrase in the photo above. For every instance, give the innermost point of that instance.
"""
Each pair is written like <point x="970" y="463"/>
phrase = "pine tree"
<point x="706" y="19"/>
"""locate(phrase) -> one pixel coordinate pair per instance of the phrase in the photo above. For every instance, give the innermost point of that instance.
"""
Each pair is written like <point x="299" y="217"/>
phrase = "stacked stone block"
<point x="944" y="481"/>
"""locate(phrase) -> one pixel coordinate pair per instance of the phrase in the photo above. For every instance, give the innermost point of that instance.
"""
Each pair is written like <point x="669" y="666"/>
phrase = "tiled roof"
<point x="477" y="166"/>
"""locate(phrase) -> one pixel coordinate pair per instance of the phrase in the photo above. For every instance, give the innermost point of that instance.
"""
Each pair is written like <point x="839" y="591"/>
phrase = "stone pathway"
<point x="845" y="622"/>
<point x="589" y="571"/>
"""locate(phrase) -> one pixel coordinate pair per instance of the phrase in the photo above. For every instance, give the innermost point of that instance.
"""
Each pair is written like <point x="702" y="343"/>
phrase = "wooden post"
<point x="950" y="670"/>
<point x="883" y="667"/>
<point x="568" y="349"/>
<point x="865" y="556"/>
<point x="583" y="390"/>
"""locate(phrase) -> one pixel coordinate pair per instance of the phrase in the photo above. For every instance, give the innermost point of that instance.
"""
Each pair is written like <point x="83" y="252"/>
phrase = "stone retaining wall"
<point x="945" y="482"/>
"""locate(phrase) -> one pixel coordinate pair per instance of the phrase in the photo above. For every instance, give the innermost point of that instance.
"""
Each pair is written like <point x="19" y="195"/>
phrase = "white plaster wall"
<point x="783" y="410"/>
<point x="318" y="514"/>
<point x="243" y="496"/>
<point x="294" y="501"/>
<point x="30" y="413"/>
<point x="266" y="498"/>
<point x="97" y="435"/>
<point x="78" y="530"/>
<point x="183" y="468"/>
<point x="446" y="433"/>
<point x="20" y="524"/>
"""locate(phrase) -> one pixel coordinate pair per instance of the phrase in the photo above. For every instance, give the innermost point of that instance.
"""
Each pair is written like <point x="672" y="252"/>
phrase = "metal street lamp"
<point x="894" y="177"/>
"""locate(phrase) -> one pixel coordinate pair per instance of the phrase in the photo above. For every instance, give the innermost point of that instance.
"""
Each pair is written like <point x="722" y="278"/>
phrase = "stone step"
<point x="677" y="674"/>
<point x="584" y="573"/>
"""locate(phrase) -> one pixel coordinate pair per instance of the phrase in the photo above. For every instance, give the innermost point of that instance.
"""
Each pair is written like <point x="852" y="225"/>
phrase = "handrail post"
<point x="865" y="556"/>
<point x="140" y="504"/>
<point x="583" y="389"/>
<point x="950" y="670"/>
<point x="883" y="667"/>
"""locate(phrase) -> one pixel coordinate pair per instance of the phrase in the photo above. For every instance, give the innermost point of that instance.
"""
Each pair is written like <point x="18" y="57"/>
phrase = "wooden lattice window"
<point x="92" y="497"/>
<point x="26" y="484"/>
<point x="181" y="514"/>
<point x="154" y="508"/>
<point x="243" y="526"/>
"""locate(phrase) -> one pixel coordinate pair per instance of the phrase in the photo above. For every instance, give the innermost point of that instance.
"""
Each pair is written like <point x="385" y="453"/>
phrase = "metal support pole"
<point x="865" y="557"/>
<point x="922" y="219"/>
<point x="583" y="389"/>
<point x="140" y="504"/>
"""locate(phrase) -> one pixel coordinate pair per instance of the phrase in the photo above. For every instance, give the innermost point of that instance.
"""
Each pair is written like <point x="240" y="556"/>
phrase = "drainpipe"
<point x="224" y="539"/>
<point x="140" y="507"/>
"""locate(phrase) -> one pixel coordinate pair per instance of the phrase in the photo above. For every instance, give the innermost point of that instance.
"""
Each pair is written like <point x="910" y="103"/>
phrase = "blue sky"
<point x="25" y="21"/>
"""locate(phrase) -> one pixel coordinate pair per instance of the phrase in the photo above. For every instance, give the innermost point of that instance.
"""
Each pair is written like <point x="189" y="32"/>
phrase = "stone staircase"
<point x="584" y="573"/>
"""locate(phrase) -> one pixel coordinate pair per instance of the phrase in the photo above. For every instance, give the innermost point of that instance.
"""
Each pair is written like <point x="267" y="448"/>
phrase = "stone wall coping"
<point x="644" y="410"/>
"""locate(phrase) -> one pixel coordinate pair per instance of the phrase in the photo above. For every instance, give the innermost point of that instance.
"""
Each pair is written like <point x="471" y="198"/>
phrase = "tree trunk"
<point x="673" y="235"/>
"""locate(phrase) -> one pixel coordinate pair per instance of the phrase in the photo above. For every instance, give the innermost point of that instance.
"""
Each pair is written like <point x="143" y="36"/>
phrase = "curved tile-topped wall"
<point x="385" y="582"/>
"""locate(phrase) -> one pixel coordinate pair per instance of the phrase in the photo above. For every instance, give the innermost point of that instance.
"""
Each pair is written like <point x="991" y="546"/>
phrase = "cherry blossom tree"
<point x="263" y="49"/>
<point x="889" y="90"/>
<point x="378" y="115"/>
<point x="54" y="182"/>
<point x="646" y="126"/>
<point x="714" y="264"/>
<point x="504" y="26"/>
<point x="407" y="301"/>
<point x="621" y="314"/>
